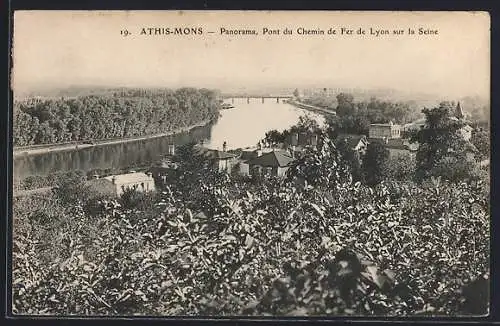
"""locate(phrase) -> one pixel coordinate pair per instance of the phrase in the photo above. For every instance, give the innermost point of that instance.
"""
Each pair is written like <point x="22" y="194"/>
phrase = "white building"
<point x="138" y="181"/>
<point x="384" y="130"/>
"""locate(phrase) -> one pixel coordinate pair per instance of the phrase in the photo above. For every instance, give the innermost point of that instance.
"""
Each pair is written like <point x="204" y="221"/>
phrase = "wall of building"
<point x="226" y="165"/>
<point x="244" y="169"/>
<point x="388" y="131"/>
<point x="143" y="186"/>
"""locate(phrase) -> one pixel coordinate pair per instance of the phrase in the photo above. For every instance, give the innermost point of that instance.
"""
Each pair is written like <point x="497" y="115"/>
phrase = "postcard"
<point x="250" y="163"/>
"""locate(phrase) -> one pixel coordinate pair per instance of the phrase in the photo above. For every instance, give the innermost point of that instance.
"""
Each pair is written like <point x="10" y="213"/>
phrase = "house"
<point x="303" y="139"/>
<point x="118" y="184"/>
<point x="274" y="163"/>
<point x="357" y="143"/>
<point x="384" y="130"/>
<point x="102" y="187"/>
<point x="222" y="161"/>
<point x="164" y="170"/>
<point x="397" y="147"/>
<point x="249" y="154"/>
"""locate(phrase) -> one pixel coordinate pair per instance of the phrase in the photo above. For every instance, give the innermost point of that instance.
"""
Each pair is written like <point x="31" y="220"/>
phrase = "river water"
<point x="240" y="127"/>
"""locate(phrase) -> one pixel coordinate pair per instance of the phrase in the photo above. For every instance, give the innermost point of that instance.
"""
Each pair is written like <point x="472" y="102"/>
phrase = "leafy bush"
<point x="50" y="180"/>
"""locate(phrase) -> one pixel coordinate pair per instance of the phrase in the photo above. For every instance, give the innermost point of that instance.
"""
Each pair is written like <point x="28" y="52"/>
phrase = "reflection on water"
<point x="242" y="126"/>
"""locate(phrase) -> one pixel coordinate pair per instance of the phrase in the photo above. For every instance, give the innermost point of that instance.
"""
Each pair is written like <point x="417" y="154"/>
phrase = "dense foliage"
<point x="375" y="164"/>
<point x="313" y="243"/>
<point x="442" y="149"/>
<point x="355" y="117"/>
<point x="50" y="180"/>
<point x="123" y="114"/>
<point x="481" y="140"/>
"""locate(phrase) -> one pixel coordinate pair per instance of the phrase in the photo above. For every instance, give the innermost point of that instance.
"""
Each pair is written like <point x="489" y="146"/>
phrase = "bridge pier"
<point x="278" y="100"/>
<point x="262" y="100"/>
<point x="248" y="100"/>
<point x="232" y="100"/>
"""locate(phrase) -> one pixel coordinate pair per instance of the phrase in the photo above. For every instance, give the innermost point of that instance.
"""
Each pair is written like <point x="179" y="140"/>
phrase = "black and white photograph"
<point x="250" y="164"/>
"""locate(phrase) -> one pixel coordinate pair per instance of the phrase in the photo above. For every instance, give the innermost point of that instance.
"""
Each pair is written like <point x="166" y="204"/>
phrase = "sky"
<point x="68" y="48"/>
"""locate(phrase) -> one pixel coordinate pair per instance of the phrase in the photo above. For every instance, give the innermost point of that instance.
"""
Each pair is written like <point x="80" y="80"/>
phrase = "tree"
<point x="351" y="159"/>
<point x="481" y="140"/>
<point x="401" y="168"/>
<point x="345" y="104"/>
<point x="124" y="114"/>
<point x="274" y="137"/>
<point x="375" y="163"/>
<point x="439" y="141"/>
<point x="321" y="168"/>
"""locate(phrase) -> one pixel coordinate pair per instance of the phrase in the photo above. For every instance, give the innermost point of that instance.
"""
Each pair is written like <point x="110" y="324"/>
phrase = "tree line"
<point x="356" y="117"/>
<point x="126" y="113"/>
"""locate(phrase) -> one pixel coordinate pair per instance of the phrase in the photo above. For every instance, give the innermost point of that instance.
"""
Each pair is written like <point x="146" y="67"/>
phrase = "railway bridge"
<point x="252" y="97"/>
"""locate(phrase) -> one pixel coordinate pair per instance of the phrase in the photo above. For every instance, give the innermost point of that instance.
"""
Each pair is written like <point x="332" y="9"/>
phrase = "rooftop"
<point x="129" y="178"/>
<point x="101" y="186"/>
<point x="273" y="159"/>
<point x="213" y="153"/>
<point x="352" y="140"/>
<point x="389" y="124"/>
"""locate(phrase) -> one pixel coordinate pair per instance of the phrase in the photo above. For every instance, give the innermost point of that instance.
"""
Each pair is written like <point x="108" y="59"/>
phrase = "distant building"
<point x="248" y="154"/>
<point x="303" y="139"/>
<point x="102" y="186"/>
<point x="357" y="143"/>
<point x="384" y="130"/>
<point x="222" y="161"/>
<point x="164" y="170"/>
<point x="118" y="184"/>
<point x="397" y="147"/>
<point x="274" y="163"/>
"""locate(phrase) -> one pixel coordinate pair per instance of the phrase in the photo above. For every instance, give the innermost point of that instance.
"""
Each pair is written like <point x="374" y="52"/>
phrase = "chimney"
<point x="113" y="179"/>
<point x="224" y="146"/>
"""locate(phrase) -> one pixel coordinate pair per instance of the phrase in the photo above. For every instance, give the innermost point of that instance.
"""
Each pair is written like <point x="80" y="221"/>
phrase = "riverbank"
<point x="311" y="108"/>
<point x="43" y="149"/>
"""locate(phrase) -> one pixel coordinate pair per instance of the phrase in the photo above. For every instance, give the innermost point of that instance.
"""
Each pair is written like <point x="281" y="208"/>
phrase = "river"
<point x="240" y="127"/>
